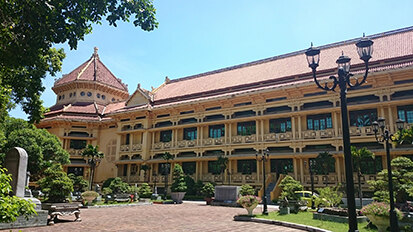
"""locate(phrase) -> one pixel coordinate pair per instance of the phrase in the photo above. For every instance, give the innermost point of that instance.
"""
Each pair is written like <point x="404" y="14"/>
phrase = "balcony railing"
<point x="124" y="148"/>
<point x="161" y="145"/>
<point x="187" y="143"/>
<point x="136" y="147"/>
<point x="244" y="139"/>
<point x="318" y="134"/>
<point x="278" y="136"/>
<point x="361" y="131"/>
<point x="213" y="141"/>
<point x="74" y="152"/>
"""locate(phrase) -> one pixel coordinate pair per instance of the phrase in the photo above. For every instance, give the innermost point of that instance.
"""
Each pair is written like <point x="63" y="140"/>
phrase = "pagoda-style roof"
<point x="91" y="71"/>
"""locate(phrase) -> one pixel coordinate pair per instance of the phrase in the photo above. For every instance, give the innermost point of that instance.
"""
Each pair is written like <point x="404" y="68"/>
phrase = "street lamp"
<point x="264" y="157"/>
<point x="310" y="166"/>
<point x="365" y="50"/>
<point x="384" y="137"/>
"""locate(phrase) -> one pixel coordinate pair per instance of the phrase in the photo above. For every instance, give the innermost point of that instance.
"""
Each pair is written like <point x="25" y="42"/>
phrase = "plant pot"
<point x="89" y="199"/>
<point x="381" y="222"/>
<point x="251" y="208"/>
<point x="177" y="196"/>
<point x="208" y="200"/>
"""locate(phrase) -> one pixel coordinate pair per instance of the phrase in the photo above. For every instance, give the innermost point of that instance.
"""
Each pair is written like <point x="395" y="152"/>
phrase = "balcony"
<point x="136" y="147"/>
<point x="318" y="134"/>
<point x="213" y="141"/>
<point x="278" y="136"/>
<point x="186" y="143"/>
<point x="361" y="131"/>
<point x="244" y="139"/>
<point x="75" y="152"/>
<point x="124" y="148"/>
<point x="161" y="146"/>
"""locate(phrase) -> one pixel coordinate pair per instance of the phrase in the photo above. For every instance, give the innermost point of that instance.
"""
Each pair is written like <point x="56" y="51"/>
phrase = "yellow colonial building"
<point x="235" y="112"/>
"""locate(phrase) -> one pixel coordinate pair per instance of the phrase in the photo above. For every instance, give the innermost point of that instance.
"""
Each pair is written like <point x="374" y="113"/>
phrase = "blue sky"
<point x="197" y="36"/>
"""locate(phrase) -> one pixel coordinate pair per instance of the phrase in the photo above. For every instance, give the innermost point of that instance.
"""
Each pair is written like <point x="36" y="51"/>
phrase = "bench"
<point x="122" y="197"/>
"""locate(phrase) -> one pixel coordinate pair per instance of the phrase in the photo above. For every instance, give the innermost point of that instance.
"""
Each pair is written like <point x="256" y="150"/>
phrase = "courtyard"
<point x="182" y="217"/>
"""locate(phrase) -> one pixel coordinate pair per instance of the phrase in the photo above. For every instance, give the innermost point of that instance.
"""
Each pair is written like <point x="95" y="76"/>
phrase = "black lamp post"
<point x="364" y="50"/>
<point x="264" y="157"/>
<point x="310" y="166"/>
<point x="385" y="137"/>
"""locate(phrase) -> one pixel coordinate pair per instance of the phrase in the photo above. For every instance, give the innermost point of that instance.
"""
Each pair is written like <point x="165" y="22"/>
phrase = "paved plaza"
<point x="183" y="217"/>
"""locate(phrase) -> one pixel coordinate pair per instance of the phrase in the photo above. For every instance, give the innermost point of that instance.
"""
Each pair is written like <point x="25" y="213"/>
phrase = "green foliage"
<point x="323" y="163"/>
<point x="360" y="155"/>
<point x="289" y="187"/>
<point x="402" y="170"/>
<point x="12" y="206"/>
<point x="93" y="156"/>
<point x="90" y="194"/>
<point x="107" y="191"/>
<point x="145" y="191"/>
<point x="246" y="189"/>
<point x="107" y="182"/>
<point x="190" y="185"/>
<point x="56" y="184"/>
<point x="329" y="197"/>
<point x="42" y="147"/>
<point x="167" y="156"/>
<point x="208" y="190"/>
<point x="404" y="136"/>
<point x="79" y="184"/>
<point x="380" y="209"/>
<point x="222" y="163"/>
<point x="118" y="186"/>
<point x="31" y="28"/>
<point x="178" y="184"/>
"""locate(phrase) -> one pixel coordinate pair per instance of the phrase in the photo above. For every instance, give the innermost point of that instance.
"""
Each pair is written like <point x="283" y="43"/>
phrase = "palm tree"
<point x="360" y="155"/>
<point x="166" y="156"/>
<point x="222" y="164"/>
<point x="145" y="169"/>
<point x="322" y="164"/>
<point x="93" y="156"/>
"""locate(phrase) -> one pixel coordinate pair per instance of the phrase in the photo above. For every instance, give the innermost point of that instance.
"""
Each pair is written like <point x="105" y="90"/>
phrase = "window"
<point x="280" y="125"/>
<point x="190" y="133"/>
<point x="166" y="136"/>
<point x="247" y="166"/>
<point x="133" y="169"/>
<point x="125" y="170"/>
<point x="163" y="168"/>
<point x="74" y="94"/>
<point x="113" y="99"/>
<point x="361" y="118"/>
<point x="98" y="95"/>
<point x="405" y="113"/>
<point x="189" y="167"/>
<point x="213" y="167"/>
<point x="60" y="98"/>
<point x="82" y="93"/>
<point x="77" y="144"/>
<point x="127" y="139"/>
<point x="103" y="97"/>
<point x="246" y="128"/>
<point x="77" y="171"/>
<point x="371" y="166"/>
<point x="319" y="122"/>
<point x="89" y="94"/>
<point x="282" y="166"/>
<point x="70" y="94"/>
<point x="216" y="131"/>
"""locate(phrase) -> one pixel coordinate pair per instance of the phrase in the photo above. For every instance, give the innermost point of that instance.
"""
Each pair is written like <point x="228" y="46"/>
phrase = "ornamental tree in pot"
<point x="208" y="191"/>
<point x="178" y="187"/>
<point x="379" y="214"/>
<point x="290" y="200"/>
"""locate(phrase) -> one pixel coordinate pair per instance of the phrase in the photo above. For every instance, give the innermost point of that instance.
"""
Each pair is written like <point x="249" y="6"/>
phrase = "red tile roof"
<point x="92" y="70"/>
<point x="85" y="108"/>
<point x="389" y="45"/>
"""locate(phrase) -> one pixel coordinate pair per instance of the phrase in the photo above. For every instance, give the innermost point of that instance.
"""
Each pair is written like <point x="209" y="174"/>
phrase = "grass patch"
<point x="306" y="218"/>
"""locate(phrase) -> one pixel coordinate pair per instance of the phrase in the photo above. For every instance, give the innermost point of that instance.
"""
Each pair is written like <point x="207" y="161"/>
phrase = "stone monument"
<point x="226" y="195"/>
<point x="16" y="164"/>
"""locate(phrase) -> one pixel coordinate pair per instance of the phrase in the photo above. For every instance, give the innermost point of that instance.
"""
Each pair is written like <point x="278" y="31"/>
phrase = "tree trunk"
<point x="360" y="192"/>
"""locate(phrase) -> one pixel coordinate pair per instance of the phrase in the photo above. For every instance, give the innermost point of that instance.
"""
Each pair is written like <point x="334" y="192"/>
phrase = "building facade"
<point x="235" y="112"/>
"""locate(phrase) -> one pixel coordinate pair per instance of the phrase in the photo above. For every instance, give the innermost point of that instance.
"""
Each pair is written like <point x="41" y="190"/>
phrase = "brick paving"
<point x="183" y="217"/>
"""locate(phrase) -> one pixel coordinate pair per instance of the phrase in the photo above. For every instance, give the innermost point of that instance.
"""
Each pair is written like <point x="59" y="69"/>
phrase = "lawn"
<point x="306" y="218"/>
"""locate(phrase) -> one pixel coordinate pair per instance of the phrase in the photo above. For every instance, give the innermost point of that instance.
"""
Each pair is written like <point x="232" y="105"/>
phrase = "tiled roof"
<point x="389" y="45"/>
<point x="92" y="70"/>
<point x="85" y="108"/>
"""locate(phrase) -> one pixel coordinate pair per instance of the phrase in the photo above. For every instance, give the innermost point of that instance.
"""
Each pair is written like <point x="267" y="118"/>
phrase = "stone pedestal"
<point x="226" y="193"/>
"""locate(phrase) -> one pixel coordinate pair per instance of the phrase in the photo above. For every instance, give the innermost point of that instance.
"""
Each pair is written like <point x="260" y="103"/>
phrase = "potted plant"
<point x="379" y="214"/>
<point x="290" y="200"/>
<point x="57" y="186"/>
<point x="89" y="196"/>
<point x="249" y="202"/>
<point x="178" y="187"/>
<point x="208" y="191"/>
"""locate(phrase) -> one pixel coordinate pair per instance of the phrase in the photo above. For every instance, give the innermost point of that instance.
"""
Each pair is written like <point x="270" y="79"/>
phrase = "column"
<point x="128" y="172"/>
<point x="302" y="170"/>
<point x="299" y="127"/>
<point x="153" y="138"/>
<point x="257" y="125"/>
<point x="293" y="127"/>
<point x="335" y="121"/>
<point x="391" y="120"/>
<point x="262" y="130"/>
<point x="230" y="132"/>
<point x="258" y="170"/>
<point x="338" y="169"/>
<point x="226" y="133"/>
<point x="196" y="170"/>
<point x="295" y="168"/>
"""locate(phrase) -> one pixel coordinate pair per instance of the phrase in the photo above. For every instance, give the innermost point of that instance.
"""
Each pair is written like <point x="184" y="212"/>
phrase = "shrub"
<point x="380" y="209"/>
<point x="118" y="186"/>
<point x="208" y="190"/>
<point x="144" y="191"/>
<point x="107" y="191"/>
<point x="56" y="184"/>
<point x="190" y="184"/>
<point x="90" y="194"/>
<point x="79" y="184"/>
<point x="248" y="200"/>
<point x="330" y="197"/>
<point x="246" y="189"/>
<point x="11" y="206"/>
<point x="179" y="184"/>
<point x="107" y="182"/>
<point x="289" y="187"/>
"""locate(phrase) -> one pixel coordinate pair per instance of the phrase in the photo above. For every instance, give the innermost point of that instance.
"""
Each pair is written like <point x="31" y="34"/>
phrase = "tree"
<point x="359" y="156"/>
<point x="289" y="186"/>
<point x="56" y="184"/>
<point x="79" y="184"/>
<point x="179" y="184"/>
<point x="42" y="148"/>
<point x="166" y="156"/>
<point x="402" y="170"/>
<point x="404" y="136"/>
<point x="93" y="156"/>
<point x="246" y="189"/>
<point x="11" y="206"/>
<point x="222" y="163"/>
<point x="118" y="186"/>
<point x="323" y="164"/>
<point x="31" y="28"/>
<point x="145" y="169"/>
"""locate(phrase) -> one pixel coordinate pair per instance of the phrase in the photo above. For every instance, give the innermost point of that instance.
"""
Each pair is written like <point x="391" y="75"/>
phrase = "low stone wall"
<point x="37" y="220"/>
<point x="336" y="218"/>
